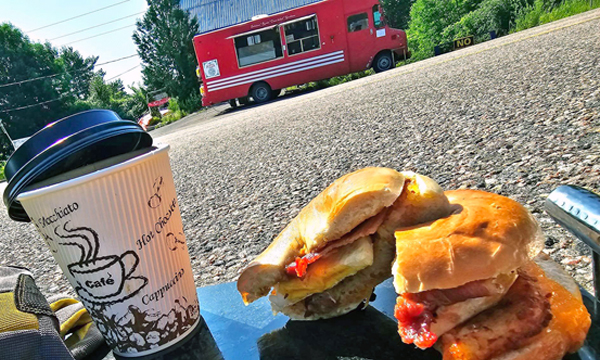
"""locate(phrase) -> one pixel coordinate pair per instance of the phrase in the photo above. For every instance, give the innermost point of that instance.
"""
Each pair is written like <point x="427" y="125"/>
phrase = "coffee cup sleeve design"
<point x="174" y="241"/>
<point x="156" y="199"/>
<point x="86" y="239"/>
<point x="137" y="328"/>
<point x="133" y="266"/>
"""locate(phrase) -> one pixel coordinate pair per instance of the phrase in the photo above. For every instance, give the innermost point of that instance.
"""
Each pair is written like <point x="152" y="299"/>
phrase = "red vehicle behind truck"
<point x="330" y="38"/>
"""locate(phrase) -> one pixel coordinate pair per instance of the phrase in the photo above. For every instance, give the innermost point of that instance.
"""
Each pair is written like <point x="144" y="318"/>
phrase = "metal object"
<point x="578" y="210"/>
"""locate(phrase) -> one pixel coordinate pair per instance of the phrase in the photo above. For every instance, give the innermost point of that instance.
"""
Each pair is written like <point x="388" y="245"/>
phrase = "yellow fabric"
<point x="59" y="304"/>
<point x="78" y="335"/>
<point x="78" y="319"/>
<point x="11" y="319"/>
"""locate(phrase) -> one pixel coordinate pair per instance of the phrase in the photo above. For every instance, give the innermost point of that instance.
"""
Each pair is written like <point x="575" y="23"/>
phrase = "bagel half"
<point x="468" y="282"/>
<point x="344" y="277"/>
<point x="486" y="235"/>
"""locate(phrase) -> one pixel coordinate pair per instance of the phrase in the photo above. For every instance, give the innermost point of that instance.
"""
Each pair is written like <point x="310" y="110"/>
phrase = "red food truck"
<point x="260" y="57"/>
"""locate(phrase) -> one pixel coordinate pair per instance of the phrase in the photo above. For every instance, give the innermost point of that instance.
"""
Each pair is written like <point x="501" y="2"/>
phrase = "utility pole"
<point x="7" y="135"/>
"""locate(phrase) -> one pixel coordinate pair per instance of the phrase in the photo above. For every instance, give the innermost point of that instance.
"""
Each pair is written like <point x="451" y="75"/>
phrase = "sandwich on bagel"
<point x="476" y="286"/>
<point x="329" y="258"/>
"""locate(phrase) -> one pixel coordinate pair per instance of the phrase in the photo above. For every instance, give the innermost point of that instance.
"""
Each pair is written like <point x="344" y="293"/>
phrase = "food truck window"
<point x="302" y="36"/>
<point x="358" y="22"/>
<point x="378" y="19"/>
<point x="258" y="47"/>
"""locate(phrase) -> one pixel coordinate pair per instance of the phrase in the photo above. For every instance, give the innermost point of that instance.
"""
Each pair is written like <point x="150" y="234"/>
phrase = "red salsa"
<point x="298" y="267"/>
<point x="414" y="322"/>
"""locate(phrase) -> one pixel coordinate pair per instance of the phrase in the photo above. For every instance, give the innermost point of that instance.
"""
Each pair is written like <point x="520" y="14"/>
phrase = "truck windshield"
<point x="302" y="35"/>
<point x="258" y="47"/>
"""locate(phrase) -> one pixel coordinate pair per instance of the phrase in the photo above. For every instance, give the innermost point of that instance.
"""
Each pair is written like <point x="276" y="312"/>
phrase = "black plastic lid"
<point x="67" y="144"/>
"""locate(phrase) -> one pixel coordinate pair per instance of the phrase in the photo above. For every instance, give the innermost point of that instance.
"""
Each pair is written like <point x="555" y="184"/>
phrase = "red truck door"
<point x="360" y="40"/>
<point x="366" y="36"/>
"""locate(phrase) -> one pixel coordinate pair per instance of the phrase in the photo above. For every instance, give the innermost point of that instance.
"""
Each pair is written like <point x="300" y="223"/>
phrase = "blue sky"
<point x="32" y="14"/>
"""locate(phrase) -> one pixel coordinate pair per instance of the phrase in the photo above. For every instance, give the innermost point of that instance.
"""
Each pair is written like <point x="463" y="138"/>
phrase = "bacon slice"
<point x="366" y="228"/>
<point x="436" y="298"/>
<point x="415" y="311"/>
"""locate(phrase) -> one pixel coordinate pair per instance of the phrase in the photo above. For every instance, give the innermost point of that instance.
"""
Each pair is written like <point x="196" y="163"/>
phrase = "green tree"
<point x="78" y="72"/>
<point x="104" y="95"/>
<point x="164" y="40"/>
<point x="137" y="103"/>
<point x="397" y="12"/>
<point x="65" y="76"/>
<point x="429" y="19"/>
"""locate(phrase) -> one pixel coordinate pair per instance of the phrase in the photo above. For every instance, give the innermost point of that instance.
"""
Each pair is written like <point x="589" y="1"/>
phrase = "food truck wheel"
<point x="261" y="92"/>
<point x="383" y="62"/>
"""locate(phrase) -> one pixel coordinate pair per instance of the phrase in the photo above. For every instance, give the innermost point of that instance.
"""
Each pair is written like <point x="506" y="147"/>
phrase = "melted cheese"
<point x="325" y="273"/>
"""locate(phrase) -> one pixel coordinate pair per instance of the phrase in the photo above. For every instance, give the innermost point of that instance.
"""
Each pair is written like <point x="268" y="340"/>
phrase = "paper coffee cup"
<point x="115" y="229"/>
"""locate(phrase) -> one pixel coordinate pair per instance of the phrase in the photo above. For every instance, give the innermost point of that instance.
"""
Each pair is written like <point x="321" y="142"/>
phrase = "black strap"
<point x="28" y="297"/>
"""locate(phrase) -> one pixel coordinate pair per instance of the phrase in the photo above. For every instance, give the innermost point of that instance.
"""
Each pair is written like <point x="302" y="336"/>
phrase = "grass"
<point x="170" y="118"/>
<point x="175" y="114"/>
<point x="2" y="164"/>
<point x="536" y="15"/>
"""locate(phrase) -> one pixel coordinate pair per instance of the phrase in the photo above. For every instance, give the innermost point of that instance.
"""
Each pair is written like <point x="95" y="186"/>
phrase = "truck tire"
<point x="383" y="62"/>
<point x="261" y="92"/>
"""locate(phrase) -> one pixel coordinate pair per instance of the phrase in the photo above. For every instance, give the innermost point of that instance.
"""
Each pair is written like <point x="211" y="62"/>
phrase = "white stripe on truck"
<point x="297" y="66"/>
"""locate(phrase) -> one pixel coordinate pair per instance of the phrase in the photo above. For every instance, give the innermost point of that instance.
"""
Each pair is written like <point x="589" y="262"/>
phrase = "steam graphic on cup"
<point x="105" y="279"/>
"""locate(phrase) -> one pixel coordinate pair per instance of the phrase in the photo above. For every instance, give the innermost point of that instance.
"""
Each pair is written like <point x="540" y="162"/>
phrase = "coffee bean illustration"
<point x="156" y="199"/>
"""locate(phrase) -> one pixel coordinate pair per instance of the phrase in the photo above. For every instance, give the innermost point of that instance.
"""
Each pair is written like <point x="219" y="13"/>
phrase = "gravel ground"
<point x="518" y="116"/>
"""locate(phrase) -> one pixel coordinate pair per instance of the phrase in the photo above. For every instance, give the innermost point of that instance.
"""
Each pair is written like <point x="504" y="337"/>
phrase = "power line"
<point x="59" y="98"/>
<point x="124" y="72"/>
<point x="30" y="106"/>
<point x="51" y="76"/>
<point x="93" y="27"/>
<point x="104" y="33"/>
<point x="77" y="16"/>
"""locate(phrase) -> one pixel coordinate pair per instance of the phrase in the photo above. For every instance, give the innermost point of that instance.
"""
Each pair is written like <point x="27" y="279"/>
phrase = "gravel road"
<point x="518" y="116"/>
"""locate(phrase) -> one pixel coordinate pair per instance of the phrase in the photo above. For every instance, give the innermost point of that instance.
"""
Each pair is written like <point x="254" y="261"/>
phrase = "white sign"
<point x="380" y="33"/>
<point x="211" y="69"/>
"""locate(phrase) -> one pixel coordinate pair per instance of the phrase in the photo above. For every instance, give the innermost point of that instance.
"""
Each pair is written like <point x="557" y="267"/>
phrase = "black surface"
<point x="67" y="144"/>
<point x="232" y="331"/>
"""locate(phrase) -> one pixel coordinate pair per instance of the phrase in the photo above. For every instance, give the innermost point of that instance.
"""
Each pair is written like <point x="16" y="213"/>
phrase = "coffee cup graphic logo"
<point x="105" y="277"/>
<point x="100" y="280"/>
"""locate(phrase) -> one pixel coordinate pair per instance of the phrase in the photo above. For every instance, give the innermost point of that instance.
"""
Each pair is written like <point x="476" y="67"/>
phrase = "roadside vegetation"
<point x="437" y="23"/>
<point x="536" y="14"/>
<point x="322" y="84"/>
<point x="175" y="113"/>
